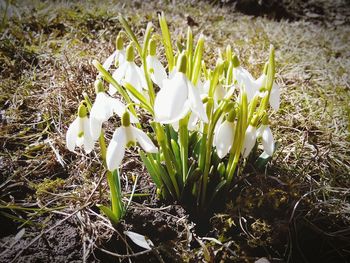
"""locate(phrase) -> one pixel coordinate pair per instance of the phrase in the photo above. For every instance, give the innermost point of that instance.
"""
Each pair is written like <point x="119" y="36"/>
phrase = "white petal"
<point x="275" y="97"/>
<point x="223" y="138"/>
<point x="268" y="141"/>
<point x="158" y="71"/>
<point x="88" y="141"/>
<point x="206" y="87"/>
<point x="72" y="134"/>
<point x="260" y="81"/>
<point x="144" y="141"/>
<point x="142" y="77"/>
<point x="246" y="80"/>
<point x="173" y="73"/>
<point x="95" y="128"/>
<point x="80" y="139"/>
<point x="118" y="75"/>
<point x="260" y="130"/>
<point x="170" y="103"/>
<point x="116" y="149"/>
<point x="192" y="122"/>
<point x="121" y="56"/>
<point x="219" y="93"/>
<point x="100" y="109"/>
<point x="109" y="61"/>
<point x="196" y="102"/>
<point x="132" y="76"/>
<point x="249" y="141"/>
<point x="130" y="136"/>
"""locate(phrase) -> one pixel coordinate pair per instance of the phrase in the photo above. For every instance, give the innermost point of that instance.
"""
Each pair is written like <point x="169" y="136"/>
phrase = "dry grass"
<point x="46" y="53"/>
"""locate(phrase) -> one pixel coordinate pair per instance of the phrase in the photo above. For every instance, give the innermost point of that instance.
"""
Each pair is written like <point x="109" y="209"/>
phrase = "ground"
<point x="296" y="209"/>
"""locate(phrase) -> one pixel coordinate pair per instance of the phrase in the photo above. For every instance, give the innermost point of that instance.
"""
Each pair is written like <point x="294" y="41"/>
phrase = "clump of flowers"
<point x="204" y="123"/>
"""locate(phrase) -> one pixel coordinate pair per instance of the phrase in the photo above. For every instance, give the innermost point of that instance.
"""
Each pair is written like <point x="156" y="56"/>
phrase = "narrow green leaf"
<point x="130" y="33"/>
<point x="108" y="212"/>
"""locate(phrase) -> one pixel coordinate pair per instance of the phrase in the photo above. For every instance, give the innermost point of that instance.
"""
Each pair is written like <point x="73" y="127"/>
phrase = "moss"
<point x="49" y="186"/>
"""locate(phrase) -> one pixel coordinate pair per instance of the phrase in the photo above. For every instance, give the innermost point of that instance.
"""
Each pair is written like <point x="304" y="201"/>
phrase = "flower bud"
<point x="130" y="53"/>
<point x="82" y="112"/>
<point x="119" y="42"/>
<point x="152" y="47"/>
<point x="98" y="86"/>
<point x="126" y="119"/>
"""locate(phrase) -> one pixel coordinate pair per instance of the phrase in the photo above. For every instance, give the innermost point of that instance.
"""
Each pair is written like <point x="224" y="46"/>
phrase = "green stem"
<point x="114" y="195"/>
<point x="161" y="137"/>
<point x="151" y="92"/>
<point x="239" y="139"/>
<point x="183" y="132"/>
<point x="103" y="148"/>
<point x="108" y="77"/>
<point x="167" y="41"/>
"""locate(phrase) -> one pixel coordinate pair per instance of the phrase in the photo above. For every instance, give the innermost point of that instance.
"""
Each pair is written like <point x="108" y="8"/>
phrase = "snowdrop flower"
<point x="249" y="140"/>
<point x="223" y="138"/>
<point x="118" y="55"/>
<point x="244" y="79"/>
<point x="177" y="97"/>
<point x="219" y="92"/>
<point x="78" y="133"/>
<point x="267" y="139"/>
<point x="123" y="137"/>
<point x="103" y="108"/>
<point x="129" y="72"/>
<point x="275" y="94"/>
<point x="155" y="68"/>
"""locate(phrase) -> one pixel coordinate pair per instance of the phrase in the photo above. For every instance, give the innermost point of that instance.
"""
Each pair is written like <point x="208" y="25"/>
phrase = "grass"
<point x="46" y="53"/>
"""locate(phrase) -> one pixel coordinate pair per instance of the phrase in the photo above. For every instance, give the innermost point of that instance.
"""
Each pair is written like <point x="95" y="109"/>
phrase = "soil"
<point x="318" y="11"/>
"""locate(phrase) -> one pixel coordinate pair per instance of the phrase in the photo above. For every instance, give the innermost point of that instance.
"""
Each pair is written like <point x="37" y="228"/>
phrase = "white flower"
<point x="156" y="69"/>
<point x="246" y="80"/>
<point x="103" y="108"/>
<point x="122" y="137"/>
<point x="129" y="72"/>
<point x="275" y="94"/>
<point x="219" y="92"/>
<point x="176" y="98"/>
<point x="78" y="133"/>
<point x="223" y="138"/>
<point x="249" y="141"/>
<point x="267" y="139"/>
<point x="117" y="55"/>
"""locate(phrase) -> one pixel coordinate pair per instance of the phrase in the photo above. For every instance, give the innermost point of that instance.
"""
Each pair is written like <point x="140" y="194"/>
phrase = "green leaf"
<point x="108" y="212"/>
<point x="130" y="33"/>
<point x="140" y="97"/>
<point x="166" y="41"/>
<point x="262" y="161"/>
<point x="151" y="170"/>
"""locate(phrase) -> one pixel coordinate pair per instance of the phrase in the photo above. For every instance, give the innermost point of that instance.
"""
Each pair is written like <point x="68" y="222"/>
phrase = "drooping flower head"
<point x="224" y="135"/>
<point x="275" y="92"/>
<point x="267" y="139"/>
<point x="123" y="137"/>
<point x="103" y="108"/>
<point x="78" y="133"/>
<point x="118" y="56"/>
<point x="177" y="97"/>
<point x="129" y="72"/>
<point x="155" y="68"/>
<point x="244" y="79"/>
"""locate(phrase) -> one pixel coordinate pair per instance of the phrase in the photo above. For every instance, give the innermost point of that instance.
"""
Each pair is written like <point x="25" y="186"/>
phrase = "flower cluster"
<point x="204" y="121"/>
